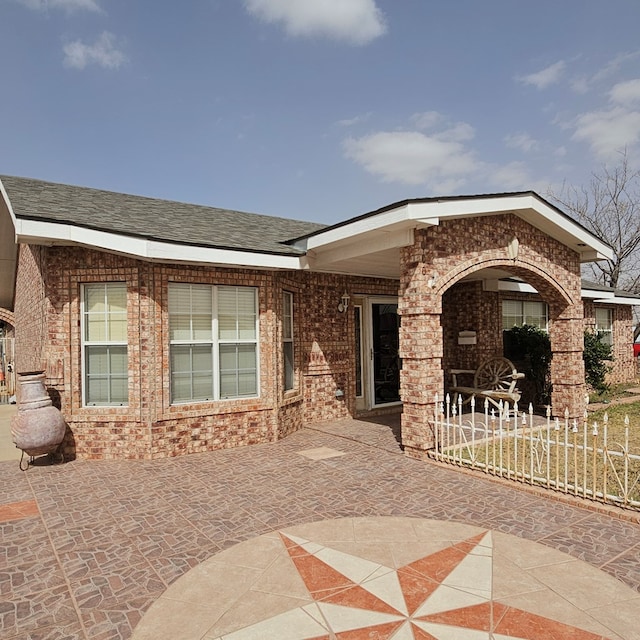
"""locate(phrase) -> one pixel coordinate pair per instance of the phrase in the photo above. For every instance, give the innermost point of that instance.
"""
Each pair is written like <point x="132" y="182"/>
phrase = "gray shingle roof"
<point x="162" y="220"/>
<point x="595" y="286"/>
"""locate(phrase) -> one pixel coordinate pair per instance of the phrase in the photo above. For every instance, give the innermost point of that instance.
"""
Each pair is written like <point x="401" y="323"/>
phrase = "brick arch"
<point x="443" y="255"/>
<point x="531" y="273"/>
<point x="8" y="317"/>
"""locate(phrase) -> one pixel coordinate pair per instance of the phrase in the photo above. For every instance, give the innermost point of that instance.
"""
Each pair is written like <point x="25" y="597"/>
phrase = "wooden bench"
<point x="494" y="380"/>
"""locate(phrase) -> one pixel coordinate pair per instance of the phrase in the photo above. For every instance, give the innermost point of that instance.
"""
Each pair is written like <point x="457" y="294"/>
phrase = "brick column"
<point x="567" y="365"/>
<point x="421" y="377"/>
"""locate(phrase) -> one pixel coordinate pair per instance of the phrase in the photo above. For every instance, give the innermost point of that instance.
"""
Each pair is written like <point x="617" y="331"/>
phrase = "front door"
<point x="384" y="346"/>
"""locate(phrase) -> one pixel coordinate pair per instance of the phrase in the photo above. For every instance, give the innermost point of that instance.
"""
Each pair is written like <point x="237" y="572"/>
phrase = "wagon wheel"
<point x="495" y="374"/>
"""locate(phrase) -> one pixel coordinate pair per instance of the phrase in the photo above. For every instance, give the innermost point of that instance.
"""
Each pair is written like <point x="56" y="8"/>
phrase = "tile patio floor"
<point x="86" y="548"/>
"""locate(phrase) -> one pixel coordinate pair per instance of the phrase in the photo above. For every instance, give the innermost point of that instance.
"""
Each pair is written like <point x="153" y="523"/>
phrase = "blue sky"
<point x="317" y="109"/>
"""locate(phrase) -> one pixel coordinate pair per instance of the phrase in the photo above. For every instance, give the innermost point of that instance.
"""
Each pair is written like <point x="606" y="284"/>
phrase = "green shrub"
<point x="531" y="347"/>
<point x="596" y="355"/>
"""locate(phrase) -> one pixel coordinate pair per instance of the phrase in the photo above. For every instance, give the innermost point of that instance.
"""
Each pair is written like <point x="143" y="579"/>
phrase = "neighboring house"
<point x="167" y="328"/>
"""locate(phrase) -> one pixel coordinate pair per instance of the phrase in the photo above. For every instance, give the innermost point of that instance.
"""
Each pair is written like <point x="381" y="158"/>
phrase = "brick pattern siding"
<point x="623" y="365"/>
<point x="150" y="426"/>
<point x="31" y="308"/>
<point x="434" y="306"/>
<point x="443" y="255"/>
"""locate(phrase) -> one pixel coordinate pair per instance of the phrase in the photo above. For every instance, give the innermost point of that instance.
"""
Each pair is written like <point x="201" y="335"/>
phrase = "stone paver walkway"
<point x="86" y="548"/>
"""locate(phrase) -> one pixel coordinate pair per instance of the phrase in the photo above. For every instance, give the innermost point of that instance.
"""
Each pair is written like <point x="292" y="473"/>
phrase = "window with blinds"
<point x="104" y="344"/>
<point x="604" y="325"/>
<point x="516" y="313"/>
<point x="213" y="334"/>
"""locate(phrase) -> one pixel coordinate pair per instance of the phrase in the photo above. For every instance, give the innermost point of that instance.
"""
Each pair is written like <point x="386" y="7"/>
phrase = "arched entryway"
<point x="475" y="249"/>
<point x="7" y="354"/>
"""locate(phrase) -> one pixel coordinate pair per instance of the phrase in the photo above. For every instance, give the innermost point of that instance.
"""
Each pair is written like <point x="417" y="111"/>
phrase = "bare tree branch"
<point x="610" y="208"/>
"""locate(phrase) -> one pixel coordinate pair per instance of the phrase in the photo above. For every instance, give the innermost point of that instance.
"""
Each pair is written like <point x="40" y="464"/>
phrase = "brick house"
<point x="167" y="328"/>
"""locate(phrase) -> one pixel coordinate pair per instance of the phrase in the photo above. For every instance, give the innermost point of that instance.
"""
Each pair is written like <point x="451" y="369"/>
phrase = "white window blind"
<point x="104" y="338"/>
<point x="516" y="313"/>
<point x="604" y="325"/>
<point x="213" y="334"/>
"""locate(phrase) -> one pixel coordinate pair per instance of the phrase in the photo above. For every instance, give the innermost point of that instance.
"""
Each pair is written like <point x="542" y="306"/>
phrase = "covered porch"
<point x="454" y="260"/>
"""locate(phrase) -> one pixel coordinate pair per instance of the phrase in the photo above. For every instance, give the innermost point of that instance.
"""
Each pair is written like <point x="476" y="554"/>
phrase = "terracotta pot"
<point x="38" y="427"/>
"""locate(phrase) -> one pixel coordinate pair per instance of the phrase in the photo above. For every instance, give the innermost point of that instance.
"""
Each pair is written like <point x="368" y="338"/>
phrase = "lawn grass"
<point x="616" y="414"/>
<point x="570" y="466"/>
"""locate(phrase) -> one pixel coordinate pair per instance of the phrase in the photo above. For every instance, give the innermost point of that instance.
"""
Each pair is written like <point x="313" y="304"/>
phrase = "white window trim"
<point x="358" y="320"/>
<point x="215" y="343"/>
<point x="522" y="314"/>
<point x="291" y="341"/>
<point x="605" y="331"/>
<point x="84" y="343"/>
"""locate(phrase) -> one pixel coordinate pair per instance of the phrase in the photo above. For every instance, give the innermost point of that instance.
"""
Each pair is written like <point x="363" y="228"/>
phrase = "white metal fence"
<point x="7" y="369"/>
<point x="565" y="455"/>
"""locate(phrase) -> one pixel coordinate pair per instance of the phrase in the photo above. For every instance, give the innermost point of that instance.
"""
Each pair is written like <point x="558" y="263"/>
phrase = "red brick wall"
<point x="49" y="333"/>
<point x="623" y="367"/>
<point x="443" y="255"/>
<point x="31" y="307"/>
<point x="150" y="426"/>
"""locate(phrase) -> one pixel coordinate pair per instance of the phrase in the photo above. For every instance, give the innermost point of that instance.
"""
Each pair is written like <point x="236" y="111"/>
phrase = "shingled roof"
<point x="153" y="219"/>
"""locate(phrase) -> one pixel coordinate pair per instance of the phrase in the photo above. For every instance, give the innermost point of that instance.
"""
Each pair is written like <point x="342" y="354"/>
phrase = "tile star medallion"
<point x="389" y="578"/>
<point x="439" y="596"/>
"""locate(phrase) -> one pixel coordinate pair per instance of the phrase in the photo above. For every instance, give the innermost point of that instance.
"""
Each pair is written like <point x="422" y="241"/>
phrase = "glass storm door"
<point x="385" y="342"/>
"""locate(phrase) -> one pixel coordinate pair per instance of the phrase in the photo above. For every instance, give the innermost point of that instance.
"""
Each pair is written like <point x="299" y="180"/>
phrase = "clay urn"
<point x="38" y="427"/>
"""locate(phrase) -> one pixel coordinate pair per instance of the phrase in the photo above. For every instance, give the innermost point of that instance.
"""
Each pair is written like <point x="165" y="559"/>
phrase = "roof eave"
<point x="55" y="234"/>
<point x="430" y="212"/>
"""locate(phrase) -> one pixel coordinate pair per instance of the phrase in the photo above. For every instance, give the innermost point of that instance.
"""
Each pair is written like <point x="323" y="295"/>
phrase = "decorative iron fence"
<point x="565" y="455"/>
<point x="7" y="372"/>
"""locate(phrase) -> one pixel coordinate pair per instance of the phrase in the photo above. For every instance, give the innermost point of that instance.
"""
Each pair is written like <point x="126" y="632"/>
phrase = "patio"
<point x="89" y="547"/>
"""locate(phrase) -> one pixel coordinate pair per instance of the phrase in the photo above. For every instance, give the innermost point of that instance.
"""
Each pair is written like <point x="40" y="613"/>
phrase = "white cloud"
<point x="609" y="130"/>
<point x="66" y="5"/>
<point x="522" y="141"/>
<point x="580" y="84"/>
<point x="613" y="67"/>
<point x="583" y="83"/>
<point x="615" y="126"/>
<point x="626" y="93"/>
<point x="460" y="131"/>
<point x="350" y="122"/>
<point x="353" y="21"/>
<point x="546" y="77"/>
<point x="426" y="120"/>
<point x="102" y="52"/>
<point x="511" y="177"/>
<point x="411" y="157"/>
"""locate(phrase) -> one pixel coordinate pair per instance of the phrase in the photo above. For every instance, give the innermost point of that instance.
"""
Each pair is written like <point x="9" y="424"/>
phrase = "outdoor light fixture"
<point x="344" y="303"/>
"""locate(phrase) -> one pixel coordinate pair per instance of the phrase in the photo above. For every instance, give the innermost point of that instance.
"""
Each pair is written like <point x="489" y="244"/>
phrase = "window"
<point x="516" y="313"/>
<point x="213" y="334"/>
<point x="287" y="340"/>
<point x="104" y="337"/>
<point x="604" y="325"/>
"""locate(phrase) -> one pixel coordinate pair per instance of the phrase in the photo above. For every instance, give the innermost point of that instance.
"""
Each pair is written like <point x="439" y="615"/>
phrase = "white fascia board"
<point x="599" y="250"/>
<point x="350" y="231"/>
<point x="518" y="205"/>
<point x="621" y="300"/>
<point x="162" y="251"/>
<point x="48" y="233"/>
<point x="7" y="202"/>
<point x="597" y="295"/>
<point x="463" y="207"/>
